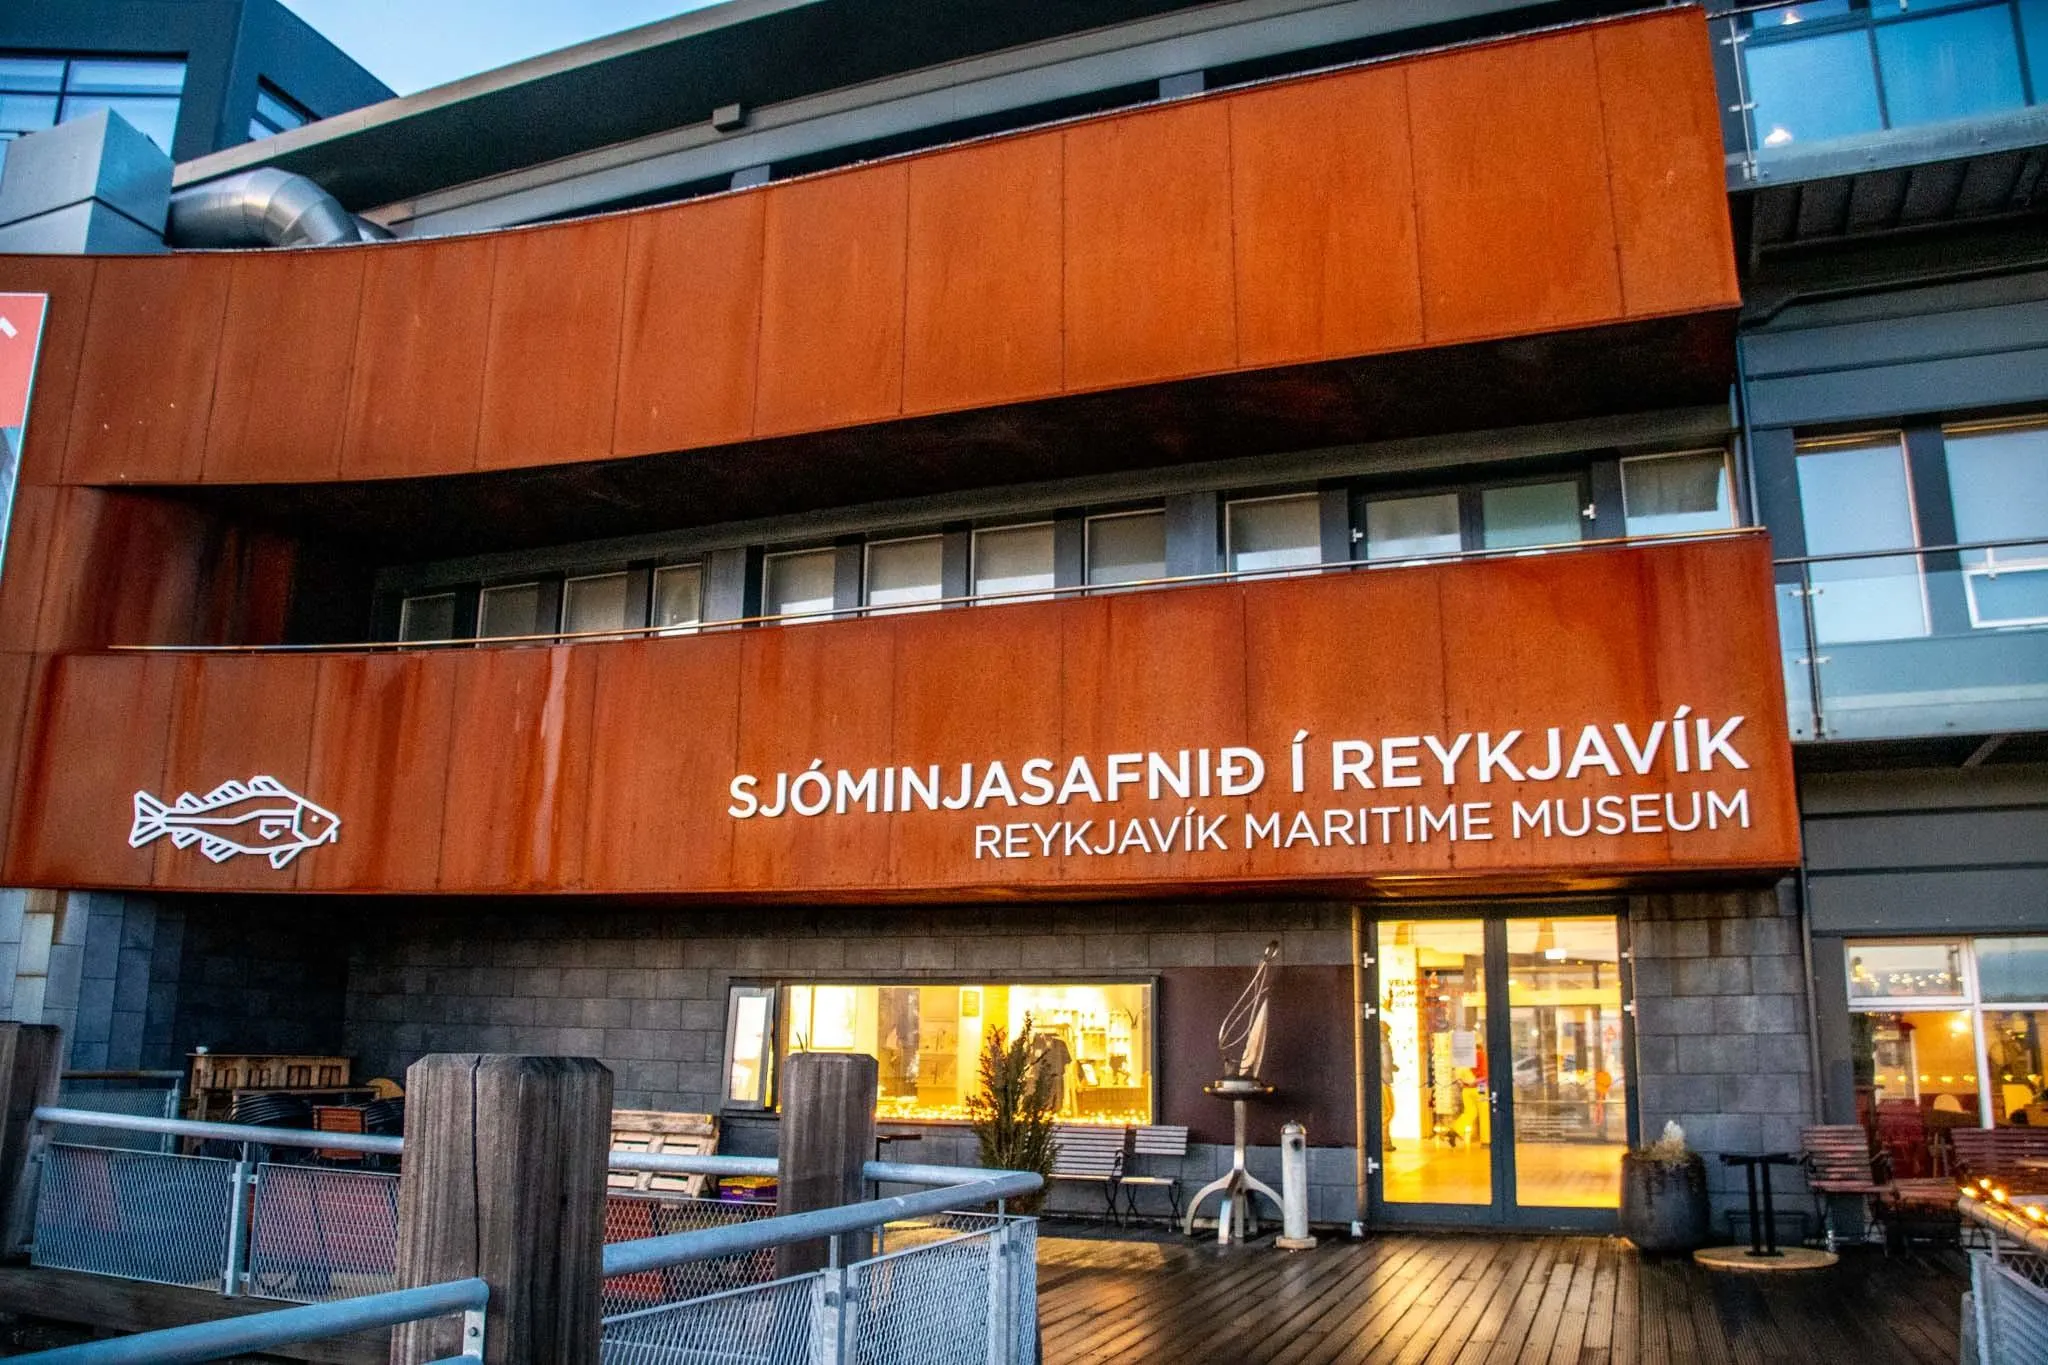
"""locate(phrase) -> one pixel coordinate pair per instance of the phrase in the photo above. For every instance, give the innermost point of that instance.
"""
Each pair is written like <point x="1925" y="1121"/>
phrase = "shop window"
<point x="2012" y="968"/>
<point x="1917" y="1074"/>
<point x="1855" y="500"/>
<point x="905" y="575"/>
<point x="800" y="586"/>
<point x="1274" y="534"/>
<point x="679" y="598"/>
<point x="1906" y="971"/>
<point x="927" y="1039"/>
<point x="1675" y="494"/>
<point x="1412" y="528"/>
<point x="1127" y="547"/>
<point x="595" y="603"/>
<point x="509" y="610"/>
<point x="749" y="1047"/>
<point x="1530" y="514"/>
<point x="430" y="617"/>
<point x="1014" y="562"/>
<point x="1998" y="485"/>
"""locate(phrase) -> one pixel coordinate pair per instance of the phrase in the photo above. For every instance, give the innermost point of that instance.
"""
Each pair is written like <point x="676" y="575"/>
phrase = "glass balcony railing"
<point x="1941" y="640"/>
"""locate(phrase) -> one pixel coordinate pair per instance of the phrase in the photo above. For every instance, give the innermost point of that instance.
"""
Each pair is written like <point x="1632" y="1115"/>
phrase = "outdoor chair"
<point x="1839" y="1162"/>
<point x="1090" y="1154"/>
<point x="1159" y="1142"/>
<point x="1998" y="1154"/>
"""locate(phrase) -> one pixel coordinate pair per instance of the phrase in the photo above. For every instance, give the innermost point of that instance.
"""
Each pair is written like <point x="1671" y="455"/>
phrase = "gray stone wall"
<point x="1721" y="1028"/>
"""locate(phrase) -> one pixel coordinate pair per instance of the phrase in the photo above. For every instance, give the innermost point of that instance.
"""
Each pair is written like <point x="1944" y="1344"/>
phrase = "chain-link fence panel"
<point x="2010" y="1308"/>
<point x="632" y="1217"/>
<point x="1023" y="1236"/>
<point x="153" y="1099"/>
<point x="767" y="1324"/>
<point x="134" y="1215"/>
<point x="928" y="1304"/>
<point x="320" y="1234"/>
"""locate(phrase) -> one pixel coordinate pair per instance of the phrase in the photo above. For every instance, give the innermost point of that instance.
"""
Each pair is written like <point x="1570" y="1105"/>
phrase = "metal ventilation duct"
<point x="263" y="207"/>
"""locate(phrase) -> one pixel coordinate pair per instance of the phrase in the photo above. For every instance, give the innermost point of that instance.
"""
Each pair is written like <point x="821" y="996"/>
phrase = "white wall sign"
<point x="261" y="816"/>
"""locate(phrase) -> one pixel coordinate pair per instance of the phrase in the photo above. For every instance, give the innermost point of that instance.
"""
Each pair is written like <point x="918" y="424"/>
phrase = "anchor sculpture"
<point x="1242" y="1042"/>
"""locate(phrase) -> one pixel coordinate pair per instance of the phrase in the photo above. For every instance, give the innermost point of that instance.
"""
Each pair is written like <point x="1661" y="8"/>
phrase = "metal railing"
<point x="1938" y="639"/>
<point x="945" y="1283"/>
<point x="2005" y="1314"/>
<point x="290" y="1326"/>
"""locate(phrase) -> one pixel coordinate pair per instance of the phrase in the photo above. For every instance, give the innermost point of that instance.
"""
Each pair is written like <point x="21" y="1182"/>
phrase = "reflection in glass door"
<point x="1569" y="1069"/>
<point x="1435" y="1129"/>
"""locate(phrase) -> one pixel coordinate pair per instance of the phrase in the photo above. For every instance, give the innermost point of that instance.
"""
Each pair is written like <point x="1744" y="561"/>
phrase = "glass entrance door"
<point x="1500" y="1080"/>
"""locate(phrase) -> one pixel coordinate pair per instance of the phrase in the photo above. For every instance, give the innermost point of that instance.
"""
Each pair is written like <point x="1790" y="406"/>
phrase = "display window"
<point x="1947" y="1033"/>
<point x="1096" y="1039"/>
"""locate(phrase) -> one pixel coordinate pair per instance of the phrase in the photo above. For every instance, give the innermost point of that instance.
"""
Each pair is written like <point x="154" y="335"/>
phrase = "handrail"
<point x="735" y="1239"/>
<point x="1961" y="548"/>
<point x="865" y="610"/>
<point x="260" y="1331"/>
<point x="883" y="1172"/>
<point x="222" y="1132"/>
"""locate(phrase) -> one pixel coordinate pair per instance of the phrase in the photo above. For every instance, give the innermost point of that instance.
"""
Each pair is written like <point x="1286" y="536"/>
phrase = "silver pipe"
<point x="279" y="1327"/>
<point x="653" y="1253"/>
<point x="225" y="1132"/>
<point x="259" y="208"/>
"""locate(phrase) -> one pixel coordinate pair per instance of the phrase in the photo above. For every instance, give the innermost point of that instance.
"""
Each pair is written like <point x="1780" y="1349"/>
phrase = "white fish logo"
<point x="261" y="816"/>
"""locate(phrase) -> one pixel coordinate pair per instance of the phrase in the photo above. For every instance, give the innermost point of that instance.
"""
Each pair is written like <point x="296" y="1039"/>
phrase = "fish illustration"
<point x="261" y="816"/>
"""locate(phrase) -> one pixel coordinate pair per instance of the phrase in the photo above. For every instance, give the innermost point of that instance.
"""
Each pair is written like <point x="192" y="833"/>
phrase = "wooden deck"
<point x="1417" y="1298"/>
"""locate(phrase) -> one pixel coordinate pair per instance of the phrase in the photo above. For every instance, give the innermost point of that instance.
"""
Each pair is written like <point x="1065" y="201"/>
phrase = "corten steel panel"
<point x="1324" y="207"/>
<point x="68" y="281"/>
<point x="1580" y="652"/>
<point x="1661" y="115"/>
<point x="982" y="325"/>
<point x="31" y="524"/>
<point x="1688" y="597"/>
<point x="280" y="398"/>
<point x="91" y="596"/>
<point x="1591" y="638"/>
<point x="518" y="770"/>
<point x="817" y="691"/>
<point x="1335" y="655"/>
<point x="416" y="386"/>
<point x="692" y="326"/>
<point x="1511" y="185"/>
<point x="146" y="371"/>
<point x="662" y="743"/>
<point x="1149" y="288"/>
<point x="235" y="717"/>
<point x="97" y="726"/>
<point x="552" y="365"/>
<point x="1162" y="671"/>
<point x="832" y="301"/>
<point x="970" y="684"/>
<point x="17" y="675"/>
<point x="383" y="726"/>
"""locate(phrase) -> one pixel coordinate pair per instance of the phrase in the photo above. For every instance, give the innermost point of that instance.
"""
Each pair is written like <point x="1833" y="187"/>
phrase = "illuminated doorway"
<point x="1499" y="1084"/>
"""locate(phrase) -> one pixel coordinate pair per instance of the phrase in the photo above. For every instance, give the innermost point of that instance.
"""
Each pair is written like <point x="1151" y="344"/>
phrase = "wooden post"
<point x="504" y="1178"/>
<point x="828" y="1135"/>
<point x="31" y="1056"/>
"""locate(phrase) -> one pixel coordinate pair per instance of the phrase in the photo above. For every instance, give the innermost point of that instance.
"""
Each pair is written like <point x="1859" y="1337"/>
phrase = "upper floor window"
<point x="1856" y="500"/>
<point x="1836" y="68"/>
<point x="429" y="617"/>
<point x="1530" y="514"/>
<point x="800" y="585"/>
<point x="276" y="112"/>
<point x="905" y="575"/>
<point x="1673" y="494"/>
<point x="1998" y="484"/>
<point x="1127" y="547"/>
<point x="1269" y="534"/>
<point x="1413" y="528"/>
<point x="1014" y="563"/>
<point x="509" y="609"/>
<point x="679" y="598"/>
<point x="38" y="92"/>
<point x="593" y="603"/>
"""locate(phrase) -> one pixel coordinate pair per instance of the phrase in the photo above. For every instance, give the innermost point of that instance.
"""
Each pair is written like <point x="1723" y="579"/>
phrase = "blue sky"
<point x="413" y="44"/>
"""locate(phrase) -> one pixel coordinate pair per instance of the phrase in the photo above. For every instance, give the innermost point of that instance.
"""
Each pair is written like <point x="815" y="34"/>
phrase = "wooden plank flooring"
<point x="1455" y="1299"/>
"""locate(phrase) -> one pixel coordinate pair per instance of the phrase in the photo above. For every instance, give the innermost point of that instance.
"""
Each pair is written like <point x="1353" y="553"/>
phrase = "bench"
<point x="1995" y="1154"/>
<point x="656" y="1132"/>
<point x="1161" y="1142"/>
<point x="1090" y="1154"/>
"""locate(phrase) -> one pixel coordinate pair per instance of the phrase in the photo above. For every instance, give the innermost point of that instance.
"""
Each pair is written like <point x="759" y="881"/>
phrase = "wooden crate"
<point x="218" y="1076"/>
<point x="652" y="1130"/>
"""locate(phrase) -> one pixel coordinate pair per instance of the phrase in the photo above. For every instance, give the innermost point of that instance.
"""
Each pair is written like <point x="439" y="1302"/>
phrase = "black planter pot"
<point x="1664" y="1203"/>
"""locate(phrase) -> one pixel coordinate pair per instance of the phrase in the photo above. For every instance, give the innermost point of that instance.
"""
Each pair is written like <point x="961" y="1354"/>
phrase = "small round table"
<point x="1237" y="1185"/>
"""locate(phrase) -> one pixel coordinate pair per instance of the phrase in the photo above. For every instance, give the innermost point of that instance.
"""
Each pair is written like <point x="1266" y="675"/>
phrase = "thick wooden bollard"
<point x="31" y="1056"/>
<point x="828" y="1135"/>
<point x="504" y="1178"/>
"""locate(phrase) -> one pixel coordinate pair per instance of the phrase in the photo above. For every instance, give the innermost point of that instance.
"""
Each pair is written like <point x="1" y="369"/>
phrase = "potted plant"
<point x="1664" y="1195"/>
<point x="1012" y="1116"/>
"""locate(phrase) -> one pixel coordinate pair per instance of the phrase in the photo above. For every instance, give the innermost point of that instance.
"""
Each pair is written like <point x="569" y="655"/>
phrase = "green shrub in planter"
<point x="1664" y="1195"/>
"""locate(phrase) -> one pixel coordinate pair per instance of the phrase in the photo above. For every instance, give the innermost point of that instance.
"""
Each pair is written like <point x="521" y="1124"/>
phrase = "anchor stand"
<point x="1235" y="1215"/>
